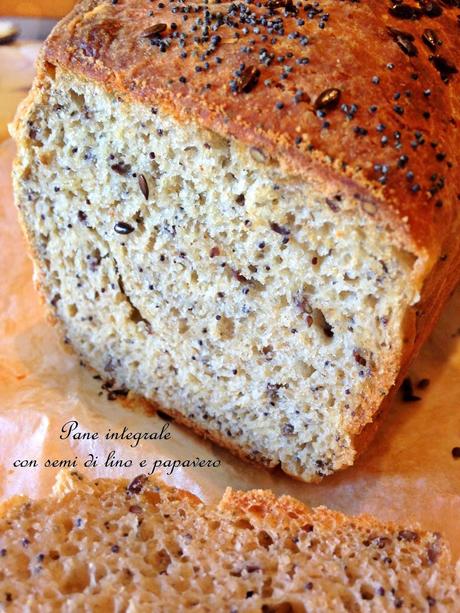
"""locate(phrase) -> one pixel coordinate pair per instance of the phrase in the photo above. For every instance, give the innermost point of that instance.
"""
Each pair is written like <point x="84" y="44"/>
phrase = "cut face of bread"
<point x="111" y="545"/>
<point x="265" y="310"/>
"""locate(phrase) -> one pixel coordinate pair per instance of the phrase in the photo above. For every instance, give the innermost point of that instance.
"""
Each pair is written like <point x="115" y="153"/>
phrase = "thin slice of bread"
<point x="111" y="545"/>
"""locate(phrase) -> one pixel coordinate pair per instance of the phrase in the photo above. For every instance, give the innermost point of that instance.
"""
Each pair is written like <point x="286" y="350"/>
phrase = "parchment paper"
<point x="16" y="74"/>
<point x="407" y="474"/>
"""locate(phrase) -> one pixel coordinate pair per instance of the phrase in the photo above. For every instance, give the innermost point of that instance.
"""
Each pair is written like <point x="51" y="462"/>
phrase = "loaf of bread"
<point x="115" y="546"/>
<point x="248" y="213"/>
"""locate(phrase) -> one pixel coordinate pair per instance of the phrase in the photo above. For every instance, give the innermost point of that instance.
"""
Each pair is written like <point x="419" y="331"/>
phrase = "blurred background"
<point x="34" y="18"/>
<point x="52" y="9"/>
<point x="24" y="24"/>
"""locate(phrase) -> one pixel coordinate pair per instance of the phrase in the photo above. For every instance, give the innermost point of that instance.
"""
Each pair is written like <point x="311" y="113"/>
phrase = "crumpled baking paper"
<point x="407" y="475"/>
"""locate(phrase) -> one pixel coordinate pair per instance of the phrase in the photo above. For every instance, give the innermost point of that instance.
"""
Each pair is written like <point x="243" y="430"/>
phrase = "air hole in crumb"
<point x="257" y="509"/>
<point x="351" y="280"/>
<point x="305" y="370"/>
<point x="265" y="540"/>
<point x="282" y="302"/>
<point x="69" y="549"/>
<point x="163" y="561"/>
<point x="94" y="259"/>
<point x="323" y="324"/>
<point x="183" y="326"/>
<point x="226" y="328"/>
<point x="244" y="524"/>
<point x="367" y="593"/>
<point x="77" y="99"/>
<point x="371" y="301"/>
<point x="150" y="247"/>
<point x="348" y="602"/>
<point x="136" y="316"/>
<point x="267" y="589"/>
<point x="406" y="258"/>
<point x="78" y="581"/>
<point x="284" y="607"/>
<point x="50" y="69"/>
<point x="268" y="352"/>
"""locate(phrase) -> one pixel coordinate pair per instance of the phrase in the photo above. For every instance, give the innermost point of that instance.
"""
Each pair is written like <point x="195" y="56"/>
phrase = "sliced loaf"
<point x="111" y="545"/>
<point x="256" y="242"/>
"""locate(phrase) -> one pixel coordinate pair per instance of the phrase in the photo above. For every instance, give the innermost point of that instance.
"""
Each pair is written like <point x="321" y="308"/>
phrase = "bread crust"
<point x="106" y="43"/>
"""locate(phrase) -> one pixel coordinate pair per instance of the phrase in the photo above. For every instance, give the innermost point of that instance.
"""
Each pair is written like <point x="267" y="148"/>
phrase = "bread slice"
<point x="111" y="545"/>
<point x="260" y="255"/>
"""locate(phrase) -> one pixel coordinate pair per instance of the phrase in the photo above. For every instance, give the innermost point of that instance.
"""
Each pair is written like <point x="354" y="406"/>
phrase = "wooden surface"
<point x="35" y="8"/>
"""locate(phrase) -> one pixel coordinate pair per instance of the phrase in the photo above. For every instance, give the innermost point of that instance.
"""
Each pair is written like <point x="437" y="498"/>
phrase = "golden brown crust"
<point x="356" y="42"/>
